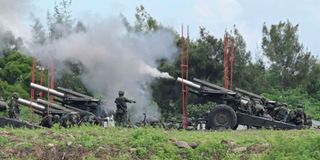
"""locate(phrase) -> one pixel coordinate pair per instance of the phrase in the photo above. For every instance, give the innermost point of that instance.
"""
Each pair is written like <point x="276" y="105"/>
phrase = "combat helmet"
<point x="15" y="95"/>
<point x="121" y="93"/>
<point x="300" y="106"/>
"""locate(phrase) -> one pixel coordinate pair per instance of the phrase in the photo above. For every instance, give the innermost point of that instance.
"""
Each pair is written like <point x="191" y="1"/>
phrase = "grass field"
<point x="92" y="142"/>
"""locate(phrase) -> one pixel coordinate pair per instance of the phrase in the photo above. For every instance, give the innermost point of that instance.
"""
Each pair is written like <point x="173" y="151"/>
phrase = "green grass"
<point x="151" y="143"/>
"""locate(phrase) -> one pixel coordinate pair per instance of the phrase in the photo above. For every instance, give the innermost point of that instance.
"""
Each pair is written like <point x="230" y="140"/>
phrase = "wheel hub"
<point x="221" y="119"/>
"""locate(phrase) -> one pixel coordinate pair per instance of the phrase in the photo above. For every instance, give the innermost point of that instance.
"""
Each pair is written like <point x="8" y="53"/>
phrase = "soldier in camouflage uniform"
<point x="281" y="113"/>
<point x="270" y="107"/>
<point x="46" y="121"/>
<point x="297" y="116"/>
<point x="14" y="107"/>
<point x="87" y="118"/>
<point x="56" y="119"/>
<point x="69" y="120"/>
<point x="121" y="117"/>
<point x="261" y="110"/>
<point x="308" y="121"/>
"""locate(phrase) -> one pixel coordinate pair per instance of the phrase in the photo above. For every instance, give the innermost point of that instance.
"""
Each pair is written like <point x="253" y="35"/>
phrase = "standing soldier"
<point x="14" y="107"/>
<point x="121" y="113"/>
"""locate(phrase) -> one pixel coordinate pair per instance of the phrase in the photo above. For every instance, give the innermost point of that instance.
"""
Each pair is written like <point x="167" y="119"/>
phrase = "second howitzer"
<point x="232" y="108"/>
<point x="70" y="108"/>
<point x="71" y="98"/>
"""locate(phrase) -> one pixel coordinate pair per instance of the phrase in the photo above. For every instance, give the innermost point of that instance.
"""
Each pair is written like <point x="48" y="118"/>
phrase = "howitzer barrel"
<point x="34" y="105"/>
<point x="212" y="86"/>
<point x="189" y="83"/>
<point x="38" y="112"/>
<point x="40" y="109"/>
<point x="53" y="105"/>
<point x="69" y="91"/>
<point x="248" y="93"/>
<point x="45" y="89"/>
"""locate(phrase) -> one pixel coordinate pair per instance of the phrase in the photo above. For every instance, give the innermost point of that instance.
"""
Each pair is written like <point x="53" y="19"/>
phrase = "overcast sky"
<point x="215" y="15"/>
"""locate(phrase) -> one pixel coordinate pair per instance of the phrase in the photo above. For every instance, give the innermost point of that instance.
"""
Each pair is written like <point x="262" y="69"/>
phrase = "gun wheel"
<point x="222" y="117"/>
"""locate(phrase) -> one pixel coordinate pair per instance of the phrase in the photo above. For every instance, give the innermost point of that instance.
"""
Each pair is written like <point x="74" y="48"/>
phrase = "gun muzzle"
<point x="45" y="89"/>
<point x="189" y="83"/>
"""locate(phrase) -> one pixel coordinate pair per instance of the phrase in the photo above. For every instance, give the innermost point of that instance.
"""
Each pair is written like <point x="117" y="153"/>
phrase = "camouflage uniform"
<point x="121" y="117"/>
<point x="271" y="107"/>
<point x="69" y="120"/>
<point x="262" y="109"/>
<point x="308" y="121"/>
<point x="300" y="117"/>
<point x="14" y="107"/>
<point x="87" y="118"/>
<point x="281" y="113"/>
<point x="46" y="121"/>
<point x="297" y="116"/>
<point x="56" y="119"/>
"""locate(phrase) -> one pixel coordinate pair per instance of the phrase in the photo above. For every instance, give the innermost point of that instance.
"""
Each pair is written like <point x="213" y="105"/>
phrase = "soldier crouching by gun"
<point x="121" y="117"/>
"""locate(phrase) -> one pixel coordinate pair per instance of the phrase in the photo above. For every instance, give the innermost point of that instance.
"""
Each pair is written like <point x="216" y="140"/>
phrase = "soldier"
<point x="270" y="107"/>
<point x="281" y="113"/>
<point x="14" y="107"/>
<point x="308" y="121"/>
<point x="46" y="121"/>
<point x="300" y="117"/>
<point x="121" y="112"/>
<point x="87" y="118"/>
<point x="297" y="116"/>
<point x="56" y="119"/>
<point x="69" y="120"/>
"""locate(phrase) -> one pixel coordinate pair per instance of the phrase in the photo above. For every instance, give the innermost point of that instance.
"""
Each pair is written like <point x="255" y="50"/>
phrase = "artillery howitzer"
<point x="43" y="109"/>
<point x="229" y="112"/>
<point x="70" y="99"/>
<point x="67" y="102"/>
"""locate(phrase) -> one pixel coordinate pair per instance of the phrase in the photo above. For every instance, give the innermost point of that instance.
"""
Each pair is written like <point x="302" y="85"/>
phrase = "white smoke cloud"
<point x="13" y="14"/>
<point x="114" y="60"/>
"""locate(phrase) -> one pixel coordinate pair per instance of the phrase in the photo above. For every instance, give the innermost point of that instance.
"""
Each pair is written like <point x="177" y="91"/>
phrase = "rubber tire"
<point x="227" y="117"/>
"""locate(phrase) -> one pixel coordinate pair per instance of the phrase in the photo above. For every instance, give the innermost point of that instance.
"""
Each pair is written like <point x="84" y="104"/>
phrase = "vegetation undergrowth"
<point x="94" y="142"/>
